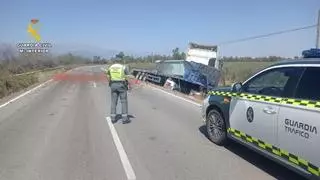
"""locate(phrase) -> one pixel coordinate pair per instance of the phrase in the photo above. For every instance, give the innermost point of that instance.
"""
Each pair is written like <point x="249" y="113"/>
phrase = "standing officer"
<point x="117" y="77"/>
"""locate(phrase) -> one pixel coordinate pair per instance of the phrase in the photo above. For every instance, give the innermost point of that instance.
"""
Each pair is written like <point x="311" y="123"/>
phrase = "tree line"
<point x="122" y="57"/>
<point x="255" y="59"/>
<point x="31" y="62"/>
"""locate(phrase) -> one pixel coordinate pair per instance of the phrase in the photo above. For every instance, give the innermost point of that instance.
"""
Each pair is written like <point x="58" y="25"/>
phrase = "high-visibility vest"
<point x="117" y="72"/>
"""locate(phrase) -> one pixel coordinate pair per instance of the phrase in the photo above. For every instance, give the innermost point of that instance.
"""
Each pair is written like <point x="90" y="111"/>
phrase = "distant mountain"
<point x="7" y="51"/>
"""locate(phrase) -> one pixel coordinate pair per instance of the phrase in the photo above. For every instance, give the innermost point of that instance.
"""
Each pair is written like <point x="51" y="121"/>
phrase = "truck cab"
<point x="204" y="54"/>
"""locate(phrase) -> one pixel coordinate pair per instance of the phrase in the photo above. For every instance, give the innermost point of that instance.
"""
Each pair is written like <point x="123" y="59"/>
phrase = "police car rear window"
<point x="309" y="85"/>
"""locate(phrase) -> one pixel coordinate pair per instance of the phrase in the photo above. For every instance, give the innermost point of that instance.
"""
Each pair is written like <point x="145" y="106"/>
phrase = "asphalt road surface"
<point x="61" y="131"/>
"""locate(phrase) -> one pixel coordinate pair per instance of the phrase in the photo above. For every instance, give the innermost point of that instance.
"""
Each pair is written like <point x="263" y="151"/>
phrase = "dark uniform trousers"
<point x="119" y="90"/>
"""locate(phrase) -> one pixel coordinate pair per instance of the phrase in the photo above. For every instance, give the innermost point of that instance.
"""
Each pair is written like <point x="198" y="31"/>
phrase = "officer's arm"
<point x="108" y="75"/>
<point x="126" y="72"/>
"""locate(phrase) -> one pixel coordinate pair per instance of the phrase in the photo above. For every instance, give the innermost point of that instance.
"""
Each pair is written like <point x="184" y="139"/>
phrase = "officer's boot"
<point x="125" y="119"/>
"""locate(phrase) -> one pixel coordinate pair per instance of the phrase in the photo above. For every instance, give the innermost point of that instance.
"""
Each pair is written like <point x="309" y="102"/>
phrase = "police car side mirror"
<point x="236" y="87"/>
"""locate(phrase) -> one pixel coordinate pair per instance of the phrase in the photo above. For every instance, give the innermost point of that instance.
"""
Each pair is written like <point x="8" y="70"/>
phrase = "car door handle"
<point x="269" y="110"/>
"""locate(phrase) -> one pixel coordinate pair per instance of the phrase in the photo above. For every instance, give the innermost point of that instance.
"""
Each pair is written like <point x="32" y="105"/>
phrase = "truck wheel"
<point x="216" y="127"/>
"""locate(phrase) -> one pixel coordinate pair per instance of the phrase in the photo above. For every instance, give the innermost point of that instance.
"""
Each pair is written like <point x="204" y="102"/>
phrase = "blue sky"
<point x="142" y="26"/>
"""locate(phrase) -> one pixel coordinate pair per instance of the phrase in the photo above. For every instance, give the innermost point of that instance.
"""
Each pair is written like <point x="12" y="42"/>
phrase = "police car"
<point x="275" y="112"/>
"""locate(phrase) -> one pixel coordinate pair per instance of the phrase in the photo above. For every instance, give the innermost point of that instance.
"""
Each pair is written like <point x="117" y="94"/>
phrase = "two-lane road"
<point x="60" y="132"/>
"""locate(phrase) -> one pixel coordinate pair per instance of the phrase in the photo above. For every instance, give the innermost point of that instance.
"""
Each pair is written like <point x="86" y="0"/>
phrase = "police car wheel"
<point x="216" y="127"/>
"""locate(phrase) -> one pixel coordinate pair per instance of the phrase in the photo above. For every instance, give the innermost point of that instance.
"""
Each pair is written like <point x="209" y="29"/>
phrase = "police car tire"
<point x="222" y="138"/>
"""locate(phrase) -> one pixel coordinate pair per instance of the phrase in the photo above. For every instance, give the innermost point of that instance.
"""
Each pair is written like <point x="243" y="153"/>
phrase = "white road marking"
<point x="94" y="84"/>
<point x="21" y="95"/>
<point x="72" y="88"/>
<point x="123" y="156"/>
<point x="173" y="95"/>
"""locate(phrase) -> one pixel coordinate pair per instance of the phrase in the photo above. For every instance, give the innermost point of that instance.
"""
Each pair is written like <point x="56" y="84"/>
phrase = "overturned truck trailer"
<point x="199" y="72"/>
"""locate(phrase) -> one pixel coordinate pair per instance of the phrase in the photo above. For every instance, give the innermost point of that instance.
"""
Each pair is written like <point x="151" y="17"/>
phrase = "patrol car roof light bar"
<point x="311" y="53"/>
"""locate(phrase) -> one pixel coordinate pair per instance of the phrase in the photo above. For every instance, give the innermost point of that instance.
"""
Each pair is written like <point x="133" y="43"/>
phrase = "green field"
<point x="240" y="71"/>
<point x="142" y="65"/>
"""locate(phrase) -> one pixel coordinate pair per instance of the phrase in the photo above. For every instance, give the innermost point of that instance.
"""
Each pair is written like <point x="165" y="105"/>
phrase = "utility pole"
<point x="152" y="57"/>
<point x="318" y="30"/>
